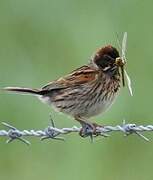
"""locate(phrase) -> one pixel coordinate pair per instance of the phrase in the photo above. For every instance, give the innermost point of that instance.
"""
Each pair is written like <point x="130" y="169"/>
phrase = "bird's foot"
<point x="89" y="129"/>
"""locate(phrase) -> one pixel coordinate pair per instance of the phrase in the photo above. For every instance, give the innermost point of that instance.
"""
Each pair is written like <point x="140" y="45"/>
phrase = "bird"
<point x="86" y="91"/>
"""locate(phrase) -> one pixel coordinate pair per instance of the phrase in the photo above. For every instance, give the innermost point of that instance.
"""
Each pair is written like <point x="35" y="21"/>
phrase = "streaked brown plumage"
<point x="85" y="92"/>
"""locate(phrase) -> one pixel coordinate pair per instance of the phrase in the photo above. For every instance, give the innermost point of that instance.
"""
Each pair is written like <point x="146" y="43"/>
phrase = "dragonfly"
<point x="121" y="61"/>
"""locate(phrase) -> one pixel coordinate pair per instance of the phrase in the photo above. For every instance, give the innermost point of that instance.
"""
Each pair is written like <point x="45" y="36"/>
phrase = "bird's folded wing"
<point x="82" y="75"/>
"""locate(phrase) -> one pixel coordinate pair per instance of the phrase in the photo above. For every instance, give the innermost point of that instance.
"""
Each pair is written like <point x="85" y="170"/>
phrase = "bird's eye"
<point x="104" y="62"/>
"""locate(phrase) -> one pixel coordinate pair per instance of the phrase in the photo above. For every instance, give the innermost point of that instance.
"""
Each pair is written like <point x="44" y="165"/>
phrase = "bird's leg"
<point x="88" y="128"/>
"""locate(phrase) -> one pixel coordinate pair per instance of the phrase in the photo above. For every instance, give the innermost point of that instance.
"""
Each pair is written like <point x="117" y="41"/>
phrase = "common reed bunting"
<point x="87" y="91"/>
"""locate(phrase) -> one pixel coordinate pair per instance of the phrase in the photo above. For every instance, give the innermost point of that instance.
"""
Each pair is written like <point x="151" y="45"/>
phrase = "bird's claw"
<point x="88" y="130"/>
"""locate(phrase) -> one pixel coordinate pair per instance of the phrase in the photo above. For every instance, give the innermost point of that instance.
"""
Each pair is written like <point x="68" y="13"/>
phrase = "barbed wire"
<point x="52" y="132"/>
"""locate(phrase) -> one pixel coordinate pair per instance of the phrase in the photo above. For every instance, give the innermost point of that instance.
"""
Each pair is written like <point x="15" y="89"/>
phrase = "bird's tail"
<point x="21" y="90"/>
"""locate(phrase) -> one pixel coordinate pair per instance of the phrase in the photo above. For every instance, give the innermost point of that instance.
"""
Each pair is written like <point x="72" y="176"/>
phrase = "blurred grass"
<point x="43" y="40"/>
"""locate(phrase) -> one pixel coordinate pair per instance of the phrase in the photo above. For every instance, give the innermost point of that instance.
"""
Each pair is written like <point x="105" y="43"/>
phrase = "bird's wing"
<point x="82" y="75"/>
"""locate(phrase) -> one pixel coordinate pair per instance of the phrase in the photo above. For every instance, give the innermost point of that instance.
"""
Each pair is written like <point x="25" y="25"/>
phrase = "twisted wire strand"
<point x="52" y="132"/>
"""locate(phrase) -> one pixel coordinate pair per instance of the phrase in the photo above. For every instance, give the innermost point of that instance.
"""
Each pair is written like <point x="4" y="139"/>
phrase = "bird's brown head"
<point x="109" y="61"/>
<point x="105" y="58"/>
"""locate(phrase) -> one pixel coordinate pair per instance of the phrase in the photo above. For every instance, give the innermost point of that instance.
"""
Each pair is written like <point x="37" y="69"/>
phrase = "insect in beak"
<point x="120" y="63"/>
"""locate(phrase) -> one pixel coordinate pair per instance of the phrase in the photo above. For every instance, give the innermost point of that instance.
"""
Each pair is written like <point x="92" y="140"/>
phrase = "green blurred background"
<point x="43" y="40"/>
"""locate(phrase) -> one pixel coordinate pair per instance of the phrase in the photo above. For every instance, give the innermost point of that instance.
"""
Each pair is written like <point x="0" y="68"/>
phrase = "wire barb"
<point x="52" y="132"/>
<point x="14" y="133"/>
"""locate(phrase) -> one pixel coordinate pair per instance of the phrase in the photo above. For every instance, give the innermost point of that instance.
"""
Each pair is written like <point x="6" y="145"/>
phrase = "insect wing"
<point x="124" y="43"/>
<point x="128" y="82"/>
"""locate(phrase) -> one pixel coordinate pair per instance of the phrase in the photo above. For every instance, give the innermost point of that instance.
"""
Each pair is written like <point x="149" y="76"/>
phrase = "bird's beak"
<point x="120" y="63"/>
